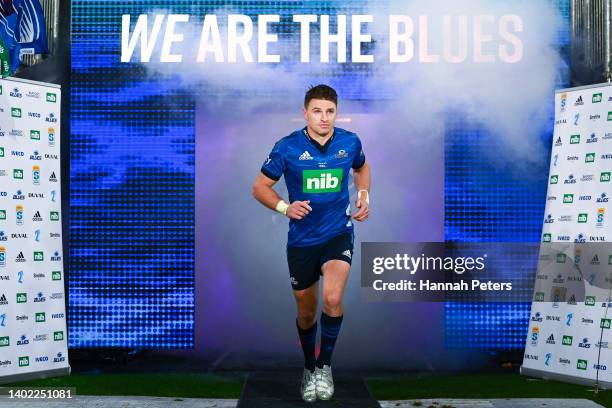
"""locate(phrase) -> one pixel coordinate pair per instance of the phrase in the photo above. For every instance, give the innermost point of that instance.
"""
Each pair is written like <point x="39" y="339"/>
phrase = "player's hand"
<point x="362" y="212"/>
<point x="298" y="209"/>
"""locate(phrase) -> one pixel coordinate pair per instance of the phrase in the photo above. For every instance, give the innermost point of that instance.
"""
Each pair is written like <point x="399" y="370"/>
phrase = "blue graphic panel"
<point x="131" y="194"/>
<point x="487" y="203"/>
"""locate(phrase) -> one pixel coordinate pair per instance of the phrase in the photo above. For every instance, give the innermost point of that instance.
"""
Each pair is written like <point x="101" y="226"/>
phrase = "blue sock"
<point x="308" y="340"/>
<point x="330" y="327"/>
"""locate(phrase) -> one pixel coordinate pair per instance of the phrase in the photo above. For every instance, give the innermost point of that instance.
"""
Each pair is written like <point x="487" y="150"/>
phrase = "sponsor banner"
<point x="33" y="335"/>
<point x="570" y="322"/>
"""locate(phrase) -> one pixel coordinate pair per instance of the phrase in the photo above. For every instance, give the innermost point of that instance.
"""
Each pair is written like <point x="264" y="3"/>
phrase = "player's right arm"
<point x="264" y="193"/>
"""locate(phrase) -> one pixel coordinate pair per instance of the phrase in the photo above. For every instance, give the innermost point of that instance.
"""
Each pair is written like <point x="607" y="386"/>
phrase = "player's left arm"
<point x="362" y="179"/>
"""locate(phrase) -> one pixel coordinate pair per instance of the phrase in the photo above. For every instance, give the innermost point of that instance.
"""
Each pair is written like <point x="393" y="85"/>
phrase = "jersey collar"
<point x="321" y="148"/>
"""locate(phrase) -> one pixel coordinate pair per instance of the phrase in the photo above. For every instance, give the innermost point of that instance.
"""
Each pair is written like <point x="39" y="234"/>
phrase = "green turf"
<point x="154" y="385"/>
<point x="479" y="386"/>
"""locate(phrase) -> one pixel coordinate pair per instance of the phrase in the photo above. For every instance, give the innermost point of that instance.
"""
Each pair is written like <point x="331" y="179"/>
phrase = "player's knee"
<point x="307" y="316"/>
<point x="332" y="300"/>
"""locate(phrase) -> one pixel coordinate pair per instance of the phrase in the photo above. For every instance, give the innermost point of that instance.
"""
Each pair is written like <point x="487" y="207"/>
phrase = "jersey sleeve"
<point x="359" y="159"/>
<point x="274" y="165"/>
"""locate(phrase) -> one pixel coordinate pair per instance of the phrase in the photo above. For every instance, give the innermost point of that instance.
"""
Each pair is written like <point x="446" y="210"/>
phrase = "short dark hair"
<point x="321" y="92"/>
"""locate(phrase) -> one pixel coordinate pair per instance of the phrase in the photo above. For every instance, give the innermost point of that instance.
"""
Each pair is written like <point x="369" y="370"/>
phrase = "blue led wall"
<point x="131" y="270"/>
<point x="132" y="186"/>
<point x="484" y="203"/>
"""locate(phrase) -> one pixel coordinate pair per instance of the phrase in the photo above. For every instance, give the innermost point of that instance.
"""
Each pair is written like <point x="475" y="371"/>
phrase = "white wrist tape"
<point x="282" y="207"/>
<point x="367" y="197"/>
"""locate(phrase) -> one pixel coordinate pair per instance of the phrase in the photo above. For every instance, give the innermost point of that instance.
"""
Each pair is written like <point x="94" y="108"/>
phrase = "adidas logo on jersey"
<point x="306" y="156"/>
<point x="347" y="253"/>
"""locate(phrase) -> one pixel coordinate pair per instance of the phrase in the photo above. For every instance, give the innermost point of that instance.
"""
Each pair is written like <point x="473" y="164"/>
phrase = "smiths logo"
<point x="322" y="181"/>
<point x="15" y="93"/>
<point x="51" y="118"/>
<point x="51" y="97"/>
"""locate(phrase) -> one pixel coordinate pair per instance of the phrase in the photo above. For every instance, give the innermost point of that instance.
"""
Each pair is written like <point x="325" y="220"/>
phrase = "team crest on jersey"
<point x="341" y="154"/>
<point x="306" y="156"/>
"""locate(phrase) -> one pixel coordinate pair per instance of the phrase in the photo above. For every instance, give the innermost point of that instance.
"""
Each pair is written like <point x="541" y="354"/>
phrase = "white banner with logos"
<point x="569" y="334"/>
<point x="33" y="340"/>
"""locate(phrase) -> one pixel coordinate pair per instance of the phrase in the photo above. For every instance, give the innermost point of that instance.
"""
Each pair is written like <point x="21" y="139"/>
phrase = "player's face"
<point x="320" y="116"/>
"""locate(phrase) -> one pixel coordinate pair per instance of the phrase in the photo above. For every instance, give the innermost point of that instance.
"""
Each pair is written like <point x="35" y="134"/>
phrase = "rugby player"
<point x="316" y="161"/>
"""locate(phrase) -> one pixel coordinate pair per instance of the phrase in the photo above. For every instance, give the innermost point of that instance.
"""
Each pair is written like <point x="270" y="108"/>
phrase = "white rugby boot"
<point x="309" y="388"/>
<point x="325" y="382"/>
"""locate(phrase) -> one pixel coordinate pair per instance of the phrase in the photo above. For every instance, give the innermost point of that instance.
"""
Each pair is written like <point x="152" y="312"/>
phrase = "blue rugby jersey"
<point x="319" y="174"/>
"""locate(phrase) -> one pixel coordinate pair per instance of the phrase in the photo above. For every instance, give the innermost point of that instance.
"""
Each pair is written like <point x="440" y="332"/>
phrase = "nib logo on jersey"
<point x="568" y="198"/>
<point x="40" y="317"/>
<point x="51" y="118"/>
<point x="589" y="158"/>
<point x="604" y="177"/>
<point x="582" y="364"/>
<point x="583" y="218"/>
<point x="554" y="179"/>
<point x="584" y="343"/>
<point x="56" y="257"/>
<point x="575" y="139"/>
<point x="40" y="298"/>
<point x="24" y="361"/>
<point x="322" y="181"/>
<point x="5" y="341"/>
<point x="58" y="336"/>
